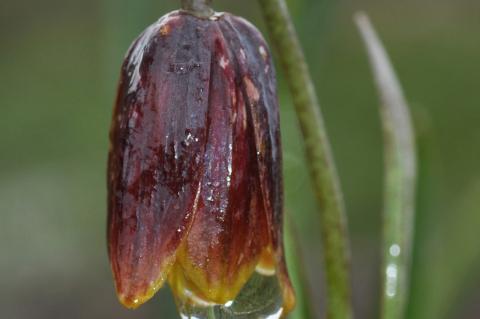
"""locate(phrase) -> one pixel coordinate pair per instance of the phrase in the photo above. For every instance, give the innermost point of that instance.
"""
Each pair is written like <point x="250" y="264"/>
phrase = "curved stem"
<point x="400" y="176"/>
<point x="200" y="8"/>
<point x="319" y="158"/>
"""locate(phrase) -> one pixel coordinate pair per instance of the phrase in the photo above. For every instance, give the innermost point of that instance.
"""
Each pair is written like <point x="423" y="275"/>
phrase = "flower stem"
<point x="200" y="8"/>
<point x="400" y="176"/>
<point x="211" y="313"/>
<point x="319" y="158"/>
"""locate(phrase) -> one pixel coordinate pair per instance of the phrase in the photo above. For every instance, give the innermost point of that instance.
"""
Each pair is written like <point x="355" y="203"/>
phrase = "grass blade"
<point x="400" y="176"/>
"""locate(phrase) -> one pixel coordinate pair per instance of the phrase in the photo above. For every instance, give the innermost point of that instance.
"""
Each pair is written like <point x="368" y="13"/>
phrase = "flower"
<point x="194" y="169"/>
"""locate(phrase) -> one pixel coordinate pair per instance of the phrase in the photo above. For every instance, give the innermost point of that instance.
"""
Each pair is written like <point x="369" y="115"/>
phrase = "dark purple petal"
<point x="158" y="140"/>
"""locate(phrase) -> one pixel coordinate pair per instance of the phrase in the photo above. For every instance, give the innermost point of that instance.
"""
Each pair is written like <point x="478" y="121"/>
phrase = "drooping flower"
<point x="194" y="171"/>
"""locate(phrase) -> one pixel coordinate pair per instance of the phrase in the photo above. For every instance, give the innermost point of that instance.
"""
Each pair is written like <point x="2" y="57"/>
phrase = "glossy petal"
<point x="230" y="230"/>
<point x="256" y="69"/>
<point x="195" y="183"/>
<point x="158" y="140"/>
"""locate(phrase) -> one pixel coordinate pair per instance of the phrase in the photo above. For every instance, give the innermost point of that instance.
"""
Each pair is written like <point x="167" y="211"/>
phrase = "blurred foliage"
<point x="59" y="62"/>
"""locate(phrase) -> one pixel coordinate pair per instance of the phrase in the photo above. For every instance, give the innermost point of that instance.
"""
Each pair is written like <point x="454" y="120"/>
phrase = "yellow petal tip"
<point x="133" y="300"/>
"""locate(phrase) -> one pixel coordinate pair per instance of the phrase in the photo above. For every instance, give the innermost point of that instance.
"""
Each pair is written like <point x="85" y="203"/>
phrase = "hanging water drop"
<point x="260" y="298"/>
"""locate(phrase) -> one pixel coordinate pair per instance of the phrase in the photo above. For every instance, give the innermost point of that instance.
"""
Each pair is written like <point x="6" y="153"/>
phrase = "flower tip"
<point x="134" y="299"/>
<point x="288" y="300"/>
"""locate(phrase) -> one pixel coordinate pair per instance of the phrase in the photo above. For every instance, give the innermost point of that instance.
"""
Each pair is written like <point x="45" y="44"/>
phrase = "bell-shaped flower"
<point x="195" y="171"/>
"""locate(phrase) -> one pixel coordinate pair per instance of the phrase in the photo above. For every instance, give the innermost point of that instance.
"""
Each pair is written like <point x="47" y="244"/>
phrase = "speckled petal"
<point x="255" y="66"/>
<point x="195" y="181"/>
<point x="230" y="229"/>
<point x="158" y="139"/>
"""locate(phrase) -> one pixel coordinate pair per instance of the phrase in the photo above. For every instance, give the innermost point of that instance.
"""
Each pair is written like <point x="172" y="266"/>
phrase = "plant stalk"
<point x="211" y="313"/>
<point x="319" y="158"/>
<point x="199" y="8"/>
<point x="400" y="176"/>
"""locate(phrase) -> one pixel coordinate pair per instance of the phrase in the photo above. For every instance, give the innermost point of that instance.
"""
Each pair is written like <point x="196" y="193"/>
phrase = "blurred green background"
<point x="59" y="63"/>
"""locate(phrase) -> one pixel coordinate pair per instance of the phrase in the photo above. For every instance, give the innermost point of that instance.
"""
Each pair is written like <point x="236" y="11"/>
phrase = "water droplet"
<point x="183" y="68"/>
<point x="263" y="52"/>
<point x="395" y="250"/>
<point x="189" y="139"/>
<point x="261" y="297"/>
<point x="223" y="62"/>
<point x="391" y="280"/>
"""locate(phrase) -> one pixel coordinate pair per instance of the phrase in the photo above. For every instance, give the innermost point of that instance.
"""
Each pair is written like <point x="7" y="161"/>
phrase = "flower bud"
<point x="194" y="171"/>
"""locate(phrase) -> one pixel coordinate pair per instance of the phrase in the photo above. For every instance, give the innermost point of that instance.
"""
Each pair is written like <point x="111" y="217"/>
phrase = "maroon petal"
<point x="230" y="229"/>
<point x="257" y="72"/>
<point x="158" y="140"/>
<point x="195" y="164"/>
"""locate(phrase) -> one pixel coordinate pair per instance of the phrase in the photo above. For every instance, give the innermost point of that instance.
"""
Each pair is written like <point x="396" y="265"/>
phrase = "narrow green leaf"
<point x="400" y="176"/>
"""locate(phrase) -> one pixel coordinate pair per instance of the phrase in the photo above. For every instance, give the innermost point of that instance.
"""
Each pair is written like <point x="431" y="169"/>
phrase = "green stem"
<point x="400" y="176"/>
<point x="211" y="313"/>
<point x="200" y="8"/>
<point x="319" y="158"/>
